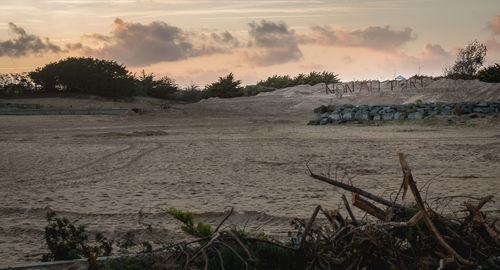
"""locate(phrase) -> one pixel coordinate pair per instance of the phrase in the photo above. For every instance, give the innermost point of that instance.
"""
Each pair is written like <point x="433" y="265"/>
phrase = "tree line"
<point x="109" y="79"/>
<point x="93" y="76"/>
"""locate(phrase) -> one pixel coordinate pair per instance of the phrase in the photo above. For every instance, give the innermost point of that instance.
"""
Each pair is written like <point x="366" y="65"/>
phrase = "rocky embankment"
<point x="349" y="112"/>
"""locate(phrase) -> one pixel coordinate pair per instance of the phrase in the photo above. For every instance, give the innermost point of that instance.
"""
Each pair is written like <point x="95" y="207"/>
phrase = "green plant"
<point x="226" y="87"/>
<point x="312" y="78"/>
<point x="66" y="241"/>
<point x="468" y="62"/>
<point x="200" y="230"/>
<point x="85" y="75"/>
<point x="490" y="74"/>
<point x="164" y="87"/>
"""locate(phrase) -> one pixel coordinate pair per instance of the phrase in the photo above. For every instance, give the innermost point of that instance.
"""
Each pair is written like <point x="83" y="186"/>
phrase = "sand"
<point x="206" y="157"/>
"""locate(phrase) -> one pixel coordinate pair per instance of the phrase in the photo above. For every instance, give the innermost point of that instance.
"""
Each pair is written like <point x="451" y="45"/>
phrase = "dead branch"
<point x="427" y="220"/>
<point x="308" y="226"/>
<point x="349" y="211"/>
<point x="358" y="191"/>
<point x="368" y="207"/>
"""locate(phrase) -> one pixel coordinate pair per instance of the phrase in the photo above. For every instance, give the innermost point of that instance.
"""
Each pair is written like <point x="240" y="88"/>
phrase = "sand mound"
<point x="302" y="99"/>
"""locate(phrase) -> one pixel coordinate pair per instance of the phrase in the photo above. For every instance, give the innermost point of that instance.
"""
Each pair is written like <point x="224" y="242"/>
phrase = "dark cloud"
<point x="274" y="43"/>
<point x="139" y="44"/>
<point x="494" y="25"/>
<point x="374" y="37"/>
<point x="435" y="50"/>
<point x="24" y="44"/>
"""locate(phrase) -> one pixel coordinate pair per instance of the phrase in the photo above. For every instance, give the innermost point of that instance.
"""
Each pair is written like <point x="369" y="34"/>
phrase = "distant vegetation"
<point x="85" y="75"/>
<point x="490" y="74"/>
<point x="312" y="78"/>
<point x="469" y="63"/>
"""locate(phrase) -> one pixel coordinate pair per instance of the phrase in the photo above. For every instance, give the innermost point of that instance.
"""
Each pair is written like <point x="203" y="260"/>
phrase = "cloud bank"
<point x="139" y="44"/>
<point x="25" y="44"/>
<point x="274" y="43"/>
<point x="374" y="37"/>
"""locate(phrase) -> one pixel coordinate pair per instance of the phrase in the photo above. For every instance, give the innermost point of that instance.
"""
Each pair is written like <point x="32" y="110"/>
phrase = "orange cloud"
<point x="373" y="37"/>
<point x="139" y="44"/>
<point x="494" y="25"/>
<point x="25" y="44"/>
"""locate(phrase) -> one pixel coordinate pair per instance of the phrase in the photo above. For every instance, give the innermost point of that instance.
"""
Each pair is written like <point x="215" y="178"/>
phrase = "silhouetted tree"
<point x="85" y="75"/>
<point x="226" y="87"/>
<point x="468" y="62"/>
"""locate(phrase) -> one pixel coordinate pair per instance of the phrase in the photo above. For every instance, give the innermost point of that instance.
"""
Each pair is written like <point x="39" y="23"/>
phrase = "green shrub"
<point x="226" y="87"/>
<point x="66" y="241"/>
<point x="164" y="87"/>
<point x="468" y="62"/>
<point x="312" y="78"/>
<point x="490" y="74"/>
<point x="200" y="230"/>
<point x="85" y="75"/>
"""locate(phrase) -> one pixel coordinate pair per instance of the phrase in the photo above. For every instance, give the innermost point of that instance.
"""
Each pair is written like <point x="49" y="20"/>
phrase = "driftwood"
<point x="349" y="211"/>
<point x="401" y="237"/>
<point x="368" y="207"/>
<point x="408" y="180"/>
<point x="358" y="191"/>
<point x="405" y="237"/>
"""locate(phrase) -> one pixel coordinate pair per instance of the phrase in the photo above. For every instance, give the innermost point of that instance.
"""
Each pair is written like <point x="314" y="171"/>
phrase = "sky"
<point x="197" y="41"/>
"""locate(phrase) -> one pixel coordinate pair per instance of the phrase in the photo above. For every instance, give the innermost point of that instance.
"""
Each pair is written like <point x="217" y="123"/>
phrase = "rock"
<point x="325" y="115"/>
<point x="446" y="112"/>
<point x="377" y="117"/>
<point x="347" y="115"/>
<point x="374" y="111"/>
<point x="399" y="116"/>
<point x="335" y="117"/>
<point x="362" y="116"/>
<point x="482" y="104"/>
<point x="330" y="108"/>
<point x="387" y="116"/>
<point x="415" y="115"/>
<point x="323" y="121"/>
<point x="320" y="109"/>
<point x="318" y="117"/>
<point x="485" y="110"/>
<point x="432" y="113"/>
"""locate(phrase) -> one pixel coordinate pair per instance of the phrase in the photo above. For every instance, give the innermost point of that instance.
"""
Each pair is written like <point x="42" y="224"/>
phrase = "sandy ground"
<point x="103" y="170"/>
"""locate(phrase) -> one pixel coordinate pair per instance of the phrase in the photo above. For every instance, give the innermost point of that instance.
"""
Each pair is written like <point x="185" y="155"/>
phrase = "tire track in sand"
<point x="104" y="165"/>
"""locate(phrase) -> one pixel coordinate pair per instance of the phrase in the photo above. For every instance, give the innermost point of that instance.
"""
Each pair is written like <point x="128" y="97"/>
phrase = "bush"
<point x="468" y="62"/>
<point x="15" y="84"/>
<point x="226" y="87"/>
<point x="67" y="241"/>
<point x="164" y="88"/>
<point x="490" y="74"/>
<point x="312" y="78"/>
<point x="85" y="75"/>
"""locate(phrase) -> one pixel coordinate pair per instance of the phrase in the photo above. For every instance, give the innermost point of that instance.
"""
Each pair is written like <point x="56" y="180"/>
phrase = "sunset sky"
<point x="200" y="40"/>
